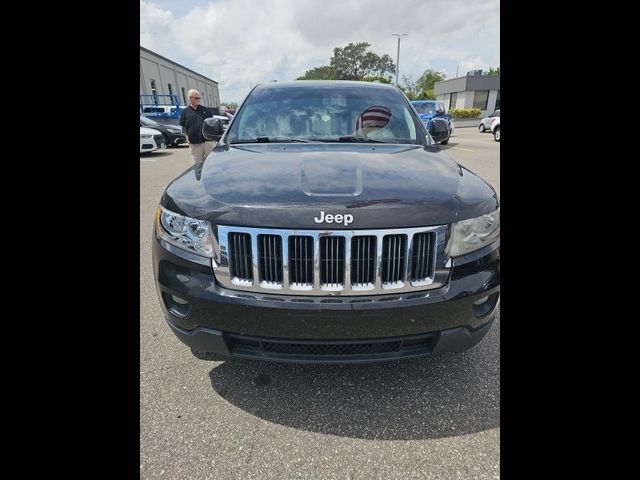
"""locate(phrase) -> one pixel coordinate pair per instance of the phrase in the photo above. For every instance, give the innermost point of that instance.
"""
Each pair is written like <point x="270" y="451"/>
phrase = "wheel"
<point x="444" y="142"/>
<point x="496" y="134"/>
<point x="482" y="128"/>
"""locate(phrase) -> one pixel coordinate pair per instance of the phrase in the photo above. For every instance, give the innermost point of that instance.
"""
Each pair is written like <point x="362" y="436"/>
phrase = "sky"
<point x="240" y="43"/>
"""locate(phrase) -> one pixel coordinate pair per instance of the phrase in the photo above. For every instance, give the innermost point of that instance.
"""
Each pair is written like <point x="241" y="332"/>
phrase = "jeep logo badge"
<point x="328" y="218"/>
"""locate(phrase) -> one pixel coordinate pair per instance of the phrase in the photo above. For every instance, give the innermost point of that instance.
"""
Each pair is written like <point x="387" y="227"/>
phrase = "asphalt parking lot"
<point x="434" y="418"/>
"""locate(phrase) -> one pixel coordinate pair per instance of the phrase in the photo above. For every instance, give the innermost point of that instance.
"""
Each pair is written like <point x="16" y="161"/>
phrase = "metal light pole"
<point x="398" y="55"/>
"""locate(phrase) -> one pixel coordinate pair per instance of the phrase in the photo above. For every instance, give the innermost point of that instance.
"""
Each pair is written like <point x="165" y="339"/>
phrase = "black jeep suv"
<point x="327" y="226"/>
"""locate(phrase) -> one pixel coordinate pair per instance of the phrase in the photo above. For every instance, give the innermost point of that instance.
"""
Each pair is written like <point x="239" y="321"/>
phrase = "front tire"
<point x="496" y="134"/>
<point x="444" y="142"/>
<point x="482" y="128"/>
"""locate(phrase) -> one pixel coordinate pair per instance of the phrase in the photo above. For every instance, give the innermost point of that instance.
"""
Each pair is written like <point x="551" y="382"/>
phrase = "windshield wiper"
<point x="349" y="138"/>
<point x="273" y="140"/>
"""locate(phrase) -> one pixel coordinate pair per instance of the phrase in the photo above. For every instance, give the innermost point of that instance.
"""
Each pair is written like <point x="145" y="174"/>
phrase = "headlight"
<point x="145" y="136"/>
<point x="475" y="233"/>
<point x="188" y="233"/>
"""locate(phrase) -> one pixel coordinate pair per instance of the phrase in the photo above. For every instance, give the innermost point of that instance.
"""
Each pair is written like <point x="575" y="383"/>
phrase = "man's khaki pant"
<point x="199" y="151"/>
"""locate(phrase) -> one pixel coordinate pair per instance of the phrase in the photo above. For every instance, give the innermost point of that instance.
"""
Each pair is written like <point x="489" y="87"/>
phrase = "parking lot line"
<point x="148" y="159"/>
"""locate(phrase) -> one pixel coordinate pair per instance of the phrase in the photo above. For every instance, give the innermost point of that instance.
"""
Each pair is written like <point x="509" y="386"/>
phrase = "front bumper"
<point x="320" y="330"/>
<point x="175" y="139"/>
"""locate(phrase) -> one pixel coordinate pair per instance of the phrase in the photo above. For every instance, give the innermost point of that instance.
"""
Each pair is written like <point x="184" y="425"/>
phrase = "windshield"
<point x="326" y="114"/>
<point x="425" y="108"/>
<point x="147" y="121"/>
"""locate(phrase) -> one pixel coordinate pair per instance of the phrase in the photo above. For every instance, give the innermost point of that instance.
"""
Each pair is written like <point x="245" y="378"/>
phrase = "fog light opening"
<point x="178" y="300"/>
<point x="177" y="306"/>
<point x="485" y="305"/>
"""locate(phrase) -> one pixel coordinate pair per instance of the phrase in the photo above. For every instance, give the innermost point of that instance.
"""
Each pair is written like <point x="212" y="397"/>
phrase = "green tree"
<point x="233" y="105"/>
<point x="378" y="78"/>
<point x="326" y="72"/>
<point x="494" y="71"/>
<point x="428" y="79"/>
<point x="410" y="87"/>
<point x="354" y="62"/>
<point x="423" y="88"/>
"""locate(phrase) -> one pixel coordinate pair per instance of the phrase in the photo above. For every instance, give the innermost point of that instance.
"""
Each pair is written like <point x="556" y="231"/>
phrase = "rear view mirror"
<point x="439" y="129"/>
<point x="212" y="129"/>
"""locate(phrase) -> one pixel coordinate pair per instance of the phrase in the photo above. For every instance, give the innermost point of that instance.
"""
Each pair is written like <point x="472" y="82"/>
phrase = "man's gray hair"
<point x="193" y="92"/>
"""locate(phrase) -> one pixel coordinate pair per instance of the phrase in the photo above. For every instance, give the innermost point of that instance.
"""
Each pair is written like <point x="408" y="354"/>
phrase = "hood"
<point x="148" y="131"/>
<point x="287" y="185"/>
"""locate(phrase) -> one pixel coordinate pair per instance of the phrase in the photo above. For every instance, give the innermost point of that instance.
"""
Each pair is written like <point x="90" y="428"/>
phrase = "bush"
<point x="465" y="112"/>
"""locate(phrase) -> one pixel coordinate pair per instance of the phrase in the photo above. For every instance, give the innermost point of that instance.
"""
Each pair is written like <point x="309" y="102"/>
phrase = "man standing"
<point x="191" y="120"/>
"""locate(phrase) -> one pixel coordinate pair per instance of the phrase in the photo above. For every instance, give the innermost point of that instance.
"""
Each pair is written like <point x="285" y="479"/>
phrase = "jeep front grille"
<point x="331" y="262"/>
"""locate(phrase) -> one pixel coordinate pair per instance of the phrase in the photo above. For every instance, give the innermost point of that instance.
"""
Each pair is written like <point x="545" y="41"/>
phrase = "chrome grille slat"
<point x="245" y="240"/>
<point x="270" y="259"/>
<point x="300" y="248"/>
<point x="332" y="255"/>
<point x="331" y="262"/>
<point x="422" y="257"/>
<point x="361" y="261"/>
<point x="393" y="272"/>
<point x="241" y="257"/>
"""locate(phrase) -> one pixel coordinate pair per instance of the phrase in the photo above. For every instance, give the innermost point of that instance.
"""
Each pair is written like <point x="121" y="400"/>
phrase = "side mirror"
<point x="439" y="129"/>
<point x="212" y="129"/>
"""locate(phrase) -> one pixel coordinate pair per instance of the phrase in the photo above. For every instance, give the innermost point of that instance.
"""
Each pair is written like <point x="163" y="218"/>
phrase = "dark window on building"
<point x="480" y="99"/>
<point x="497" y="107"/>
<point x="153" y="88"/>
<point x="170" y="89"/>
<point x="184" y="96"/>
<point x="453" y="99"/>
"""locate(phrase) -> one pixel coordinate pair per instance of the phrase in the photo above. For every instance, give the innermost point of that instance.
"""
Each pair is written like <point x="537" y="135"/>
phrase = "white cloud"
<point x="154" y="23"/>
<point x="243" y="42"/>
<point x="473" y="63"/>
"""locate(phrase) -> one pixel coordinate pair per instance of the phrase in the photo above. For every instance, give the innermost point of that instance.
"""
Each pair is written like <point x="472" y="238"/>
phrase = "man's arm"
<point x="183" y="124"/>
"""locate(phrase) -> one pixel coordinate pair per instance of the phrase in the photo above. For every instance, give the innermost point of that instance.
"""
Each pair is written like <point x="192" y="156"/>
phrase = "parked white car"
<point x="487" y="122"/>
<point x="151" y="140"/>
<point x="495" y="129"/>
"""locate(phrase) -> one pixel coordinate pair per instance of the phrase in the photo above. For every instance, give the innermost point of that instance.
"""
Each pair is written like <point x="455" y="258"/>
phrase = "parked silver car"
<point x="495" y="129"/>
<point x="486" y="122"/>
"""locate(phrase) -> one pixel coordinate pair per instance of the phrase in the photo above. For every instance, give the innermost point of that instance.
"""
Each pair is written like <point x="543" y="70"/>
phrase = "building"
<point x="476" y="90"/>
<point x="160" y="75"/>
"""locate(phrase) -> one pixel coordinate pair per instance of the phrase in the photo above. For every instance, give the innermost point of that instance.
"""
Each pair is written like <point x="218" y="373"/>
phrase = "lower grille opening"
<point x="330" y="349"/>
<point x="267" y="348"/>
